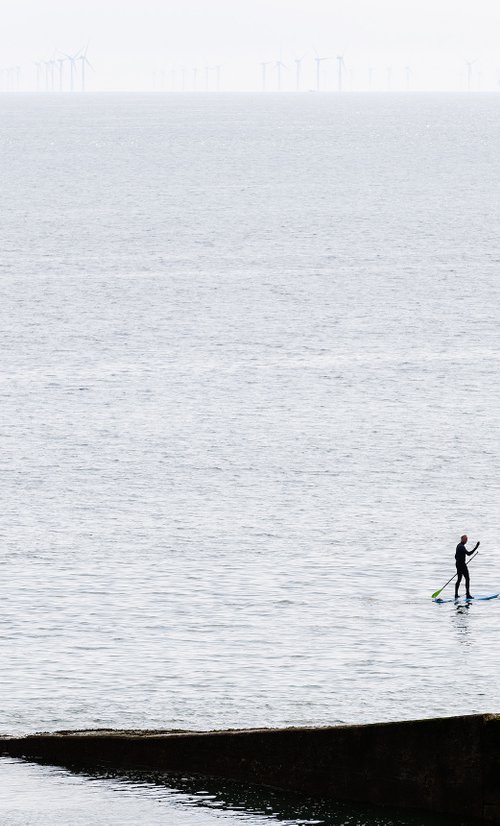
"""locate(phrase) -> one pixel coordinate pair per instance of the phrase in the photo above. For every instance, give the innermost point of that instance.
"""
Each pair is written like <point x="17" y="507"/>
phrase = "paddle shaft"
<point x="453" y="577"/>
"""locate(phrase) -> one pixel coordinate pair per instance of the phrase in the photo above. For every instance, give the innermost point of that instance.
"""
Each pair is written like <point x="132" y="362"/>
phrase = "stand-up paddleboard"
<point x="475" y="598"/>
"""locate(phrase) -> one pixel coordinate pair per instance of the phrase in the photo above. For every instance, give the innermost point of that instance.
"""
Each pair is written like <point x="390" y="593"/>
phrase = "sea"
<point x="249" y="395"/>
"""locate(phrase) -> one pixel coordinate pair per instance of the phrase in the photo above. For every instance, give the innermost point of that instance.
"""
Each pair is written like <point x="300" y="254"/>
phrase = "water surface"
<point x="249" y="402"/>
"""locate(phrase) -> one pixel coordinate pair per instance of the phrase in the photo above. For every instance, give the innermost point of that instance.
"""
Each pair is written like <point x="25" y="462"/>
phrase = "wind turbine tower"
<point x="340" y="67"/>
<point x="72" y="69"/>
<point x="264" y="66"/>
<point x="279" y="65"/>
<point x="84" y="62"/>
<point x="218" y="69"/>
<point x="470" y="64"/>
<point x="52" y="66"/>
<point x="298" y="70"/>
<point x="38" y="65"/>
<point x="319" y="60"/>
<point x="61" y="61"/>
<point x="46" y="63"/>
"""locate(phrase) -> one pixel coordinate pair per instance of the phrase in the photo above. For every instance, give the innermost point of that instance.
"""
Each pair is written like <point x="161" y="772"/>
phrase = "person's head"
<point x="464" y="539"/>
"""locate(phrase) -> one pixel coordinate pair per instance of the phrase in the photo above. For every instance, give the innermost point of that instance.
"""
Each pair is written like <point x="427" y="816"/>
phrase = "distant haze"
<point x="147" y="44"/>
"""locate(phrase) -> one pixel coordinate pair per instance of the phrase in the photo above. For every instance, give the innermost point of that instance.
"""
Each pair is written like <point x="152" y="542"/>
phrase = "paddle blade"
<point x="436" y="593"/>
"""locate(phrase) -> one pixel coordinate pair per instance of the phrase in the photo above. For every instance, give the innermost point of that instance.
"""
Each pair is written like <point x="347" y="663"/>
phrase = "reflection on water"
<point x="461" y="622"/>
<point x="53" y="796"/>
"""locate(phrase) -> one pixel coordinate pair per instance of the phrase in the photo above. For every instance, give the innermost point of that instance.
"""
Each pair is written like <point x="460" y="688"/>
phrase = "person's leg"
<point x="457" y="583"/>
<point x="467" y="582"/>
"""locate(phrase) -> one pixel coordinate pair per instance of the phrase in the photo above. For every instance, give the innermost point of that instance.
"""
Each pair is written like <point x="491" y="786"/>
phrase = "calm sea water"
<point x="249" y="402"/>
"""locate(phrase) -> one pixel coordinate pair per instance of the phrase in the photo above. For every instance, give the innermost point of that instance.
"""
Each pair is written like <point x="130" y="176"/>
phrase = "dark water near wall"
<point x="249" y="401"/>
<point x="56" y="796"/>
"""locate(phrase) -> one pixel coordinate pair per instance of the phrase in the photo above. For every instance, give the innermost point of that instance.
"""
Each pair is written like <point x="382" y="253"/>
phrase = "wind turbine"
<point x="9" y="84"/>
<point x="264" y="66"/>
<point x="52" y="65"/>
<point x="183" y="78"/>
<point x="318" y="60"/>
<point x="207" y="78"/>
<point x="72" y="69"/>
<point x="195" y="78"/>
<point x="279" y="65"/>
<point x="83" y="63"/>
<point x="38" y="65"/>
<point x="470" y="64"/>
<point x="46" y="63"/>
<point x="298" y="69"/>
<point x="217" y="76"/>
<point x="340" y="66"/>
<point x="61" y="61"/>
<point x="408" y="77"/>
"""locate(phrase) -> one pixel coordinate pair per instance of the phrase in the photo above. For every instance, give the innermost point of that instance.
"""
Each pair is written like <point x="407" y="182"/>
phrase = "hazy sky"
<point x="130" y="39"/>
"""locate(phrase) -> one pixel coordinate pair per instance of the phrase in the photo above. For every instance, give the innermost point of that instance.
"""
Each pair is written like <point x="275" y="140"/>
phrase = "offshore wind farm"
<point x="61" y="72"/>
<point x="64" y="72"/>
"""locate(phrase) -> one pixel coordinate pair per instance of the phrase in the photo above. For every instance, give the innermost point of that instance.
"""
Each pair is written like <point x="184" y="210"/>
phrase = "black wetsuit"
<point x="462" y="570"/>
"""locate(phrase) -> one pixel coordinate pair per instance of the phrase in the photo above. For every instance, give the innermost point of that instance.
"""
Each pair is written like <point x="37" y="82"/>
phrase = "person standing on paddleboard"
<point x="462" y="570"/>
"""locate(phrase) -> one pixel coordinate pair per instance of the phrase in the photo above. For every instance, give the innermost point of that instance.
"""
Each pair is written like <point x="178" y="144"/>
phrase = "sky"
<point x="147" y="44"/>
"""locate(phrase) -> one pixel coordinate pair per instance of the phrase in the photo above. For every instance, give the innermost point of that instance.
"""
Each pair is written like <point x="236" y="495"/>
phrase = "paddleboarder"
<point x="462" y="570"/>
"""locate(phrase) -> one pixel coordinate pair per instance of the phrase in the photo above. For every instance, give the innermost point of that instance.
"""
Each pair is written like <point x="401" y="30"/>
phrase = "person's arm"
<point x="469" y="553"/>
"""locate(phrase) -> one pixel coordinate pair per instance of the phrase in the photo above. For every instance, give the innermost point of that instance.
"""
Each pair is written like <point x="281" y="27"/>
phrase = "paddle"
<point x="436" y="593"/>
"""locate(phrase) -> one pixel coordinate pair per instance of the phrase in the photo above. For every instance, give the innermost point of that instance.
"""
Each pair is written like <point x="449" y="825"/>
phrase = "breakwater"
<point x="448" y="765"/>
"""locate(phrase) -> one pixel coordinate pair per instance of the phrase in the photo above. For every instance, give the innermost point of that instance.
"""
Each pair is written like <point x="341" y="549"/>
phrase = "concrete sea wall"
<point x="449" y="765"/>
